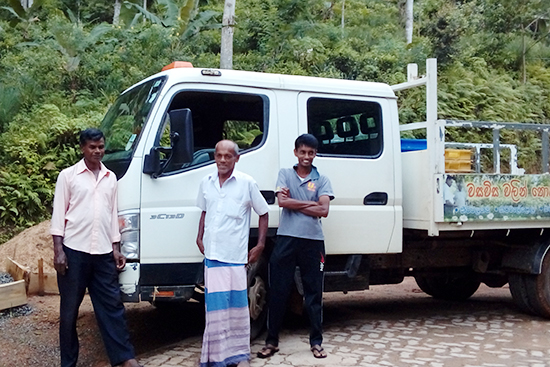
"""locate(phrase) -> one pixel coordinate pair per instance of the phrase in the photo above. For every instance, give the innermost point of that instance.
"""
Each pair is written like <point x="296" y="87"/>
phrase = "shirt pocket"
<point x="234" y="209"/>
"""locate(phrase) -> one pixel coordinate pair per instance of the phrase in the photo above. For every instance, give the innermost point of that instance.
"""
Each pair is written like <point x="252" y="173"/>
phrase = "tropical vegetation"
<point x="63" y="62"/>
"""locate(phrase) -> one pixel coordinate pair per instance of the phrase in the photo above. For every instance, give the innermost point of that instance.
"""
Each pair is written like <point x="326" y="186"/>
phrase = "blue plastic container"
<point x="408" y="145"/>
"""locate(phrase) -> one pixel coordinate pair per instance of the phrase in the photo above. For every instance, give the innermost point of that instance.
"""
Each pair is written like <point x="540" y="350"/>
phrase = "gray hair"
<point x="235" y="145"/>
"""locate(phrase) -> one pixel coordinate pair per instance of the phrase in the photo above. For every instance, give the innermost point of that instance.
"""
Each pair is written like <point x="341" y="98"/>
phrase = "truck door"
<point x="169" y="217"/>
<point x="357" y="154"/>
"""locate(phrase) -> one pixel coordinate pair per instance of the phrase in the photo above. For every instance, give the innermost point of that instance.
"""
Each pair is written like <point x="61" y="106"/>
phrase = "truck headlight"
<point x="129" y="233"/>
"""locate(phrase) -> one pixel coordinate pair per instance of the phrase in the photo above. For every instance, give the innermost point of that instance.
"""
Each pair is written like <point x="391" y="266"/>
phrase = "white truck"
<point x="402" y="207"/>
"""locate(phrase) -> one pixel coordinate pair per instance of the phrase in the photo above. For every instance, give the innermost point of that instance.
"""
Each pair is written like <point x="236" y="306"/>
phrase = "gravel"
<point x="23" y="310"/>
<point x="5" y="278"/>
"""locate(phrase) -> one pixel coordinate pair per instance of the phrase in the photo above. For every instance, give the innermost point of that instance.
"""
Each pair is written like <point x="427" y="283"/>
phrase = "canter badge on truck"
<point x="167" y="216"/>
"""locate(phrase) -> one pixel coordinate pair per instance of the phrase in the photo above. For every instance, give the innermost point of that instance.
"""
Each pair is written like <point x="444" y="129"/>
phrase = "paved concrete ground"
<point x="400" y="326"/>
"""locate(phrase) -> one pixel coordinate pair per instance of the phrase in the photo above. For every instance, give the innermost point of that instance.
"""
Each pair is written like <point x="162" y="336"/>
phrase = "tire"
<point x="531" y="292"/>
<point x="257" y="297"/>
<point x="451" y="286"/>
<point x="519" y="292"/>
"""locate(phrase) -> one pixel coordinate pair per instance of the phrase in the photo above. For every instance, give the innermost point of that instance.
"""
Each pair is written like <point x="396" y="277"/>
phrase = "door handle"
<point x="376" y="198"/>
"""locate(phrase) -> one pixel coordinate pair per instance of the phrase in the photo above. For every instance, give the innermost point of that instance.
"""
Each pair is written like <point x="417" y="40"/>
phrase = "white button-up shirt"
<point x="227" y="220"/>
<point x="85" y="209"/>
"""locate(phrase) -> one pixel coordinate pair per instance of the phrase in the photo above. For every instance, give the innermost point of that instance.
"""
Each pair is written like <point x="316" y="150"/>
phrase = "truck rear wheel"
<point x="451" y="286"/>
<point x="531" y="292"/>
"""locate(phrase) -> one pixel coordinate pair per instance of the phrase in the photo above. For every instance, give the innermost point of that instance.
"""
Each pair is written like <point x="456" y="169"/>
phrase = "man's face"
<point x="225" y="158"/>
<point x="93" y="150"/>
<point x="305" y="155"/>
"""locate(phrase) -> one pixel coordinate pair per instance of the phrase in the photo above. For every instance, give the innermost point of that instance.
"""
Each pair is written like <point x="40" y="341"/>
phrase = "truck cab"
<point x="160" y="142"/>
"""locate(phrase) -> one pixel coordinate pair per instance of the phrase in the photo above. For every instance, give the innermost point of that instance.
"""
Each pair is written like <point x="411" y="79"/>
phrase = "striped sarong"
<point x="226" y="339"/>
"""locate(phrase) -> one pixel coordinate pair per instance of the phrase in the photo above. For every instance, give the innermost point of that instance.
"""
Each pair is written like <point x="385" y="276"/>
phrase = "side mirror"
<point x="151" y="164"/>
<point x="181" y="145"/>
<point x="181" y="134"/>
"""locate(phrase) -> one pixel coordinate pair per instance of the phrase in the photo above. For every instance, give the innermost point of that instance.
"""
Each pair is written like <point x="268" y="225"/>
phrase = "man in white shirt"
<point x="87" y="252"/>
<point x="226" y="198"/>
<point x="461" y="194"/>
<point x="448" y="196"/>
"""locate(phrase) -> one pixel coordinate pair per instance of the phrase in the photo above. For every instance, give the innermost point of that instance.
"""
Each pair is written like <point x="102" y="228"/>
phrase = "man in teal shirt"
<point x="305" y="196"/>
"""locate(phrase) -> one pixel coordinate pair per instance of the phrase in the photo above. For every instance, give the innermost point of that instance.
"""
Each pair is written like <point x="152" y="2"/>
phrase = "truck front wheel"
<point x="257" y="297"/>
<point x="531" y="292"/>
<point x="448" y="285"/>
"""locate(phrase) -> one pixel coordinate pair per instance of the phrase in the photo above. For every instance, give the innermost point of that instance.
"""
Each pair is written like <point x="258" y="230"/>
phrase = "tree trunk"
<point x="228" y="22"/>
<point x="409" y="21"/>
<point x="26" y="4"/>
<point x="342" y="21"/>
<point x="144" y="7"/>
<point x="116" y="16"/>
<point x="523" y="67"/>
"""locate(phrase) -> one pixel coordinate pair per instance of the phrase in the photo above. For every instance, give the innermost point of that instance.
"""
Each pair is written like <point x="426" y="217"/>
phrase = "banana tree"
<point x="72" y="40"/>
<point x="23" y="14"/>
<point x="184" y="17"/>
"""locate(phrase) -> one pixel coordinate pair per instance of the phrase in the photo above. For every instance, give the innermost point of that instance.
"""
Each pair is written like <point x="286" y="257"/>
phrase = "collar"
<point x="214" y="176"/>
<point x="313" y="175"/>
<point x="82" y="167"/>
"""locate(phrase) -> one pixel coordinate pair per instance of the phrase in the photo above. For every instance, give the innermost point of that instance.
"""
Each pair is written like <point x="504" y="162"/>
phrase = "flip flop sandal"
<point x="267" y="351"/>
<point x="318" y="351"/>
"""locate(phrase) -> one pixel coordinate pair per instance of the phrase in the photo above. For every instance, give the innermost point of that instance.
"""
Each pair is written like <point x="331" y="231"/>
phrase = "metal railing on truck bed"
<point x="445" y="190"/>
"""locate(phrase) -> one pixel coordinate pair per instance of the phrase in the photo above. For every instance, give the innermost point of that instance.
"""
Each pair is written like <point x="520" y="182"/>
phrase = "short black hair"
<point x="90" y="134"/>
<point x="308" y="140"/>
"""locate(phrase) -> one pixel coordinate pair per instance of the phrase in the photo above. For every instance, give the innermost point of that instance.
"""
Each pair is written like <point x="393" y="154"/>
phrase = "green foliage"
<point x="241" y="132"/>
<point x="35" y="148"/>
<point x="20" y="14"/>
<point x="63" y="62"/>
<point x="9" y="104"/>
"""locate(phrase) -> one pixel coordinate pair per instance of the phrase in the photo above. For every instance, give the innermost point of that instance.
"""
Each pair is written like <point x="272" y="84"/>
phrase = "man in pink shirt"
<point x="87" y="252"/>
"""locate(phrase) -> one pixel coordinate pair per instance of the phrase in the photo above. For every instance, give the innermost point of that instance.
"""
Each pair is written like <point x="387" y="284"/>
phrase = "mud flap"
<point x="128" y="280"/>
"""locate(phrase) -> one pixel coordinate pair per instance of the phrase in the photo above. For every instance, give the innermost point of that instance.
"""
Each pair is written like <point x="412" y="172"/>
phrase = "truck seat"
<point x="323" y="131"/>
<point x="346" y="127"/>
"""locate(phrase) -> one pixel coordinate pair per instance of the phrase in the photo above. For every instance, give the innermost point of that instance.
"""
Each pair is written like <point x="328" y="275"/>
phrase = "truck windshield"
<point x="124" y="122"/>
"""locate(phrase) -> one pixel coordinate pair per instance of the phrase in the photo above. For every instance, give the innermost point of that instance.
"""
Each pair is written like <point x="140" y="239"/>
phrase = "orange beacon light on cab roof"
<point x="178" y="64"/>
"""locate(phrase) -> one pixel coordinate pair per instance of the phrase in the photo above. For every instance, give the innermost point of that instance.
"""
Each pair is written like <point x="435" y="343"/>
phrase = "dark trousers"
<point x="309" y="256"/>
<point x="97" y="273"/>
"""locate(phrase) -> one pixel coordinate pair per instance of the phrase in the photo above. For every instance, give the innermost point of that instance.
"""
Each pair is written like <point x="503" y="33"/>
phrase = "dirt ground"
<point x="32" y="340"/>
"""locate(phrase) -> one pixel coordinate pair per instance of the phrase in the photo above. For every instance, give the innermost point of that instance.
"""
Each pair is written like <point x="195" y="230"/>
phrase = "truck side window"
<point x="218" y="115"/>
<point x="346" y="127"/>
